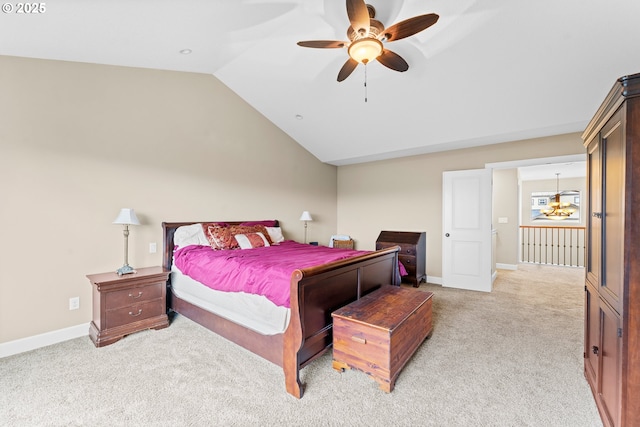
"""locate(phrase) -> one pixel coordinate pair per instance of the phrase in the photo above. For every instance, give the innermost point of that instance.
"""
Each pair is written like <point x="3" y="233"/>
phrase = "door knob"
<point x="594" y="349"/>
<point x="446" y="235"/>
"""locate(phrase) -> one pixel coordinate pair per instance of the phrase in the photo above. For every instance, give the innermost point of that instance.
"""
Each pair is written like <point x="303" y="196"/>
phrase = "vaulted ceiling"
<point x="488" y="71"/>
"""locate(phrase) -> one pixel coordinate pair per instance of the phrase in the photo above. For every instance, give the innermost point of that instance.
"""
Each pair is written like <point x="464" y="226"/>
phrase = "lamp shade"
<point x="127" y="216"/>
<point x="306" y="216"/>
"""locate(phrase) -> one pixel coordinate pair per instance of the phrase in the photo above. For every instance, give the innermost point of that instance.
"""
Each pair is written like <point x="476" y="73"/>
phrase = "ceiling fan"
<point x="367" y="35"/>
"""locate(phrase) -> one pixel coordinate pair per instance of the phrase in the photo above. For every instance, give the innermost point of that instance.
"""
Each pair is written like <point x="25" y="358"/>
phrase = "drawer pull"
<point x="135" y="296"/>
<point x="136" y="314"/>
<point x="359" y="340"/>
<point x="595" y="350"/>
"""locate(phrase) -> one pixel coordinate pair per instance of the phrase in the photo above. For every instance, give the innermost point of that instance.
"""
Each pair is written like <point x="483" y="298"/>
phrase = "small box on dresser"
<point x="412" y="255"/>
<point x="126" y="304"/>
<point x="379" y="333"/>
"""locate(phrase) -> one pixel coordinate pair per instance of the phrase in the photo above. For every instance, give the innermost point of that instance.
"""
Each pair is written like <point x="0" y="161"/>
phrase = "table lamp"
<point x="306" y="217"/>
<point x="126" y="217"/>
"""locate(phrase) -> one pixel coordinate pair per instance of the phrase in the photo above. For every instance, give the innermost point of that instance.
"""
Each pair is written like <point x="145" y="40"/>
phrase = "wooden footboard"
<point x="315" y="293"/>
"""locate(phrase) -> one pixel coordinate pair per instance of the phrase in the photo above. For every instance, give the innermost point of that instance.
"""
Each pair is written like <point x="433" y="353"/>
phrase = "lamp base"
<point x="125" y="269"/>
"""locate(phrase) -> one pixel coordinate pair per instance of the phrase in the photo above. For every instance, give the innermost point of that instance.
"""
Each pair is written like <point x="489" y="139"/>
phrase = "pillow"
<point x="223" y="237"/>
<point x="251" y="240"/>
<point x="219" y="237"/>
<point x="275" y="234"/>
<point x="190" y="235"/>
<point x="266" y="223"/>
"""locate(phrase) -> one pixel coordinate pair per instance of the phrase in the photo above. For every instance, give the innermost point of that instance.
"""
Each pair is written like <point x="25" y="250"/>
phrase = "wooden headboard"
<point x="169" y="229"/>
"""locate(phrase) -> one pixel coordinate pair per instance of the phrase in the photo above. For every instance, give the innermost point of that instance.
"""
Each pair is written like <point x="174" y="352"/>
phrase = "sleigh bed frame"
<point x="315" y="293"/>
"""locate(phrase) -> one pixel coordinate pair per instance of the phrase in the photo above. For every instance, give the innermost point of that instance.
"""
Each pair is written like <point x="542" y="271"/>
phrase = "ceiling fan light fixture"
<point x="365" y="50"/>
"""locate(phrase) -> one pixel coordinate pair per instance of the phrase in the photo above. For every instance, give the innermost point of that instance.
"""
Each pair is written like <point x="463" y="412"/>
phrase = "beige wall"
<point x="505" y="205"/>
<point x="406" y="193"/>
<point x="79" y="141"/>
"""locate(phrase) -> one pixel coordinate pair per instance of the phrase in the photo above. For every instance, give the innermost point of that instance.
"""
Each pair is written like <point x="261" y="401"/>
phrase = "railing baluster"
<point x="561" y="245"/>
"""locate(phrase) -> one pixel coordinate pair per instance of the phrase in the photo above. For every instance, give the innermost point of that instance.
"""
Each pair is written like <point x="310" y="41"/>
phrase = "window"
<point x="541" y="199"/>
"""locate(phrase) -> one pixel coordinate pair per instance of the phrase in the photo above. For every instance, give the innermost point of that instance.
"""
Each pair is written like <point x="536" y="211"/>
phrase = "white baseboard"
<point x="435" y="280"/>
<point x="438" y="280"/>
<point x="500" y="266"/>
<point x="42" y="340"/>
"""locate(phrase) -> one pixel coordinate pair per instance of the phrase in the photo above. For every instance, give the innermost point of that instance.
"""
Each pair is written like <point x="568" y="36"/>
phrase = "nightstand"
<point x="126" y="304"/>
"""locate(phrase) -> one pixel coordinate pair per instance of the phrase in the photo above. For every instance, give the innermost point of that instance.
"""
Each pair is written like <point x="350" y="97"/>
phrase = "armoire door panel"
<point x="614" y="161"/>
<point x="594" y="212"/>
<point x="610" y="353"/>
<point x="592" y="334"/>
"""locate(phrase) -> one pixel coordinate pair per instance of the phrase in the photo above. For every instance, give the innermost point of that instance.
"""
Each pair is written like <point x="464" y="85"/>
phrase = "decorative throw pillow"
<point x="243" y="229"/>
<point x="219" y="237"/>
<point x="251" y="240"/>
<point x="223" y="237"/>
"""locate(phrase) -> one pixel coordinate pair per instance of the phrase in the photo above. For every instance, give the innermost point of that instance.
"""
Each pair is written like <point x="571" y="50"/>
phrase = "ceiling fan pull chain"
<point x="365" y="82"/>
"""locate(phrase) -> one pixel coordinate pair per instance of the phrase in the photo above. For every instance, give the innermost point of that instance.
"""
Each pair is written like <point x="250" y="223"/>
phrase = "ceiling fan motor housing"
<point x="375" y="29"/>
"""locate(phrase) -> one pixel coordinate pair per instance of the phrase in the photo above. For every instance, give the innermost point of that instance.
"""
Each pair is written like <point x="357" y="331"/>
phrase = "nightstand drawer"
<point x="126" y="297"/>
<point x="134" y="313"/>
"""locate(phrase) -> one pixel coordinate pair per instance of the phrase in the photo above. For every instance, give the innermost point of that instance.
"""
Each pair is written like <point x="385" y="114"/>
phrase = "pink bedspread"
<point x="263" y="271"/>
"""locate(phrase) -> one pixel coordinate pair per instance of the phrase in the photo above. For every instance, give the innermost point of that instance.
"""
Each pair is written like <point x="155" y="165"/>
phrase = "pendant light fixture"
<point x="558" y="210"/>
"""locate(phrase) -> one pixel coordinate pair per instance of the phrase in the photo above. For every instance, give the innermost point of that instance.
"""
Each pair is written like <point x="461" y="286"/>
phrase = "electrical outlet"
<point x="74" y="303"/>
<point x="153" y="248"/>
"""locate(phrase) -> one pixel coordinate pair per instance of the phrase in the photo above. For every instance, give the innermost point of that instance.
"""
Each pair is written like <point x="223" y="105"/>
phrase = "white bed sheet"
<point x="255" y="312"/>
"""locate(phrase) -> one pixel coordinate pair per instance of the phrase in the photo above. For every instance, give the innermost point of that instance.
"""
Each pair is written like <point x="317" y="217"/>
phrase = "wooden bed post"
<point x="293" y="341"/>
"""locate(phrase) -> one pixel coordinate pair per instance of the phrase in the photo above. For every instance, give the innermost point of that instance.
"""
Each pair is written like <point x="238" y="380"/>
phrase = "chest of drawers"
<point x="126" y="304"/>
<point x="412" y="253"/>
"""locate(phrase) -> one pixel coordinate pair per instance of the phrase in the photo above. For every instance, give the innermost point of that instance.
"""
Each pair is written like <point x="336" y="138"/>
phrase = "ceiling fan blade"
<point x="322" y="44"/>
<point x="409" y="27"/>
<point x="347" y="69"/>
<point x="393" y="60"/>
<point x="358" y="16"/>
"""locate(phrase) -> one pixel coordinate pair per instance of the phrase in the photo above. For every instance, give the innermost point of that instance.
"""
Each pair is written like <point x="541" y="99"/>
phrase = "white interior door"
<point x="466" y="227"/>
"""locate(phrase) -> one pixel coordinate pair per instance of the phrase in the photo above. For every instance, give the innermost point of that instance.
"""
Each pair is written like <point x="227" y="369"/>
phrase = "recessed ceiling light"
<point x="185" y="51"/>
<point x="299" y="116"/>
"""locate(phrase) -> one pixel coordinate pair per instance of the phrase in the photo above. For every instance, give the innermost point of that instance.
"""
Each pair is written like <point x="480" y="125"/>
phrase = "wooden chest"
<point x="412" y="255"/>
<point x="379" y="333"/>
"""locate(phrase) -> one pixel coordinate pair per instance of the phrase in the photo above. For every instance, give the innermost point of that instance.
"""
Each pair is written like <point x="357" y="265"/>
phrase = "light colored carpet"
<point x="512" y="357"/>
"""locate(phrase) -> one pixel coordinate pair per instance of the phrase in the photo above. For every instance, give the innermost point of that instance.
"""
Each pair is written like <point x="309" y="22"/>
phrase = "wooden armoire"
<point x="612" y="288"/>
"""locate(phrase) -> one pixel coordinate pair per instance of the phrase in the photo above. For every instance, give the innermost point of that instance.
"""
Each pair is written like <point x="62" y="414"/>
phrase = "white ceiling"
<point x="489" y="71"/>
<point x="549" y="171"/>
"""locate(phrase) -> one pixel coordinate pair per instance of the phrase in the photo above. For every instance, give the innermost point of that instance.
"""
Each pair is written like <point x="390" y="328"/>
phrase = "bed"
<point x="315" y="292"/>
